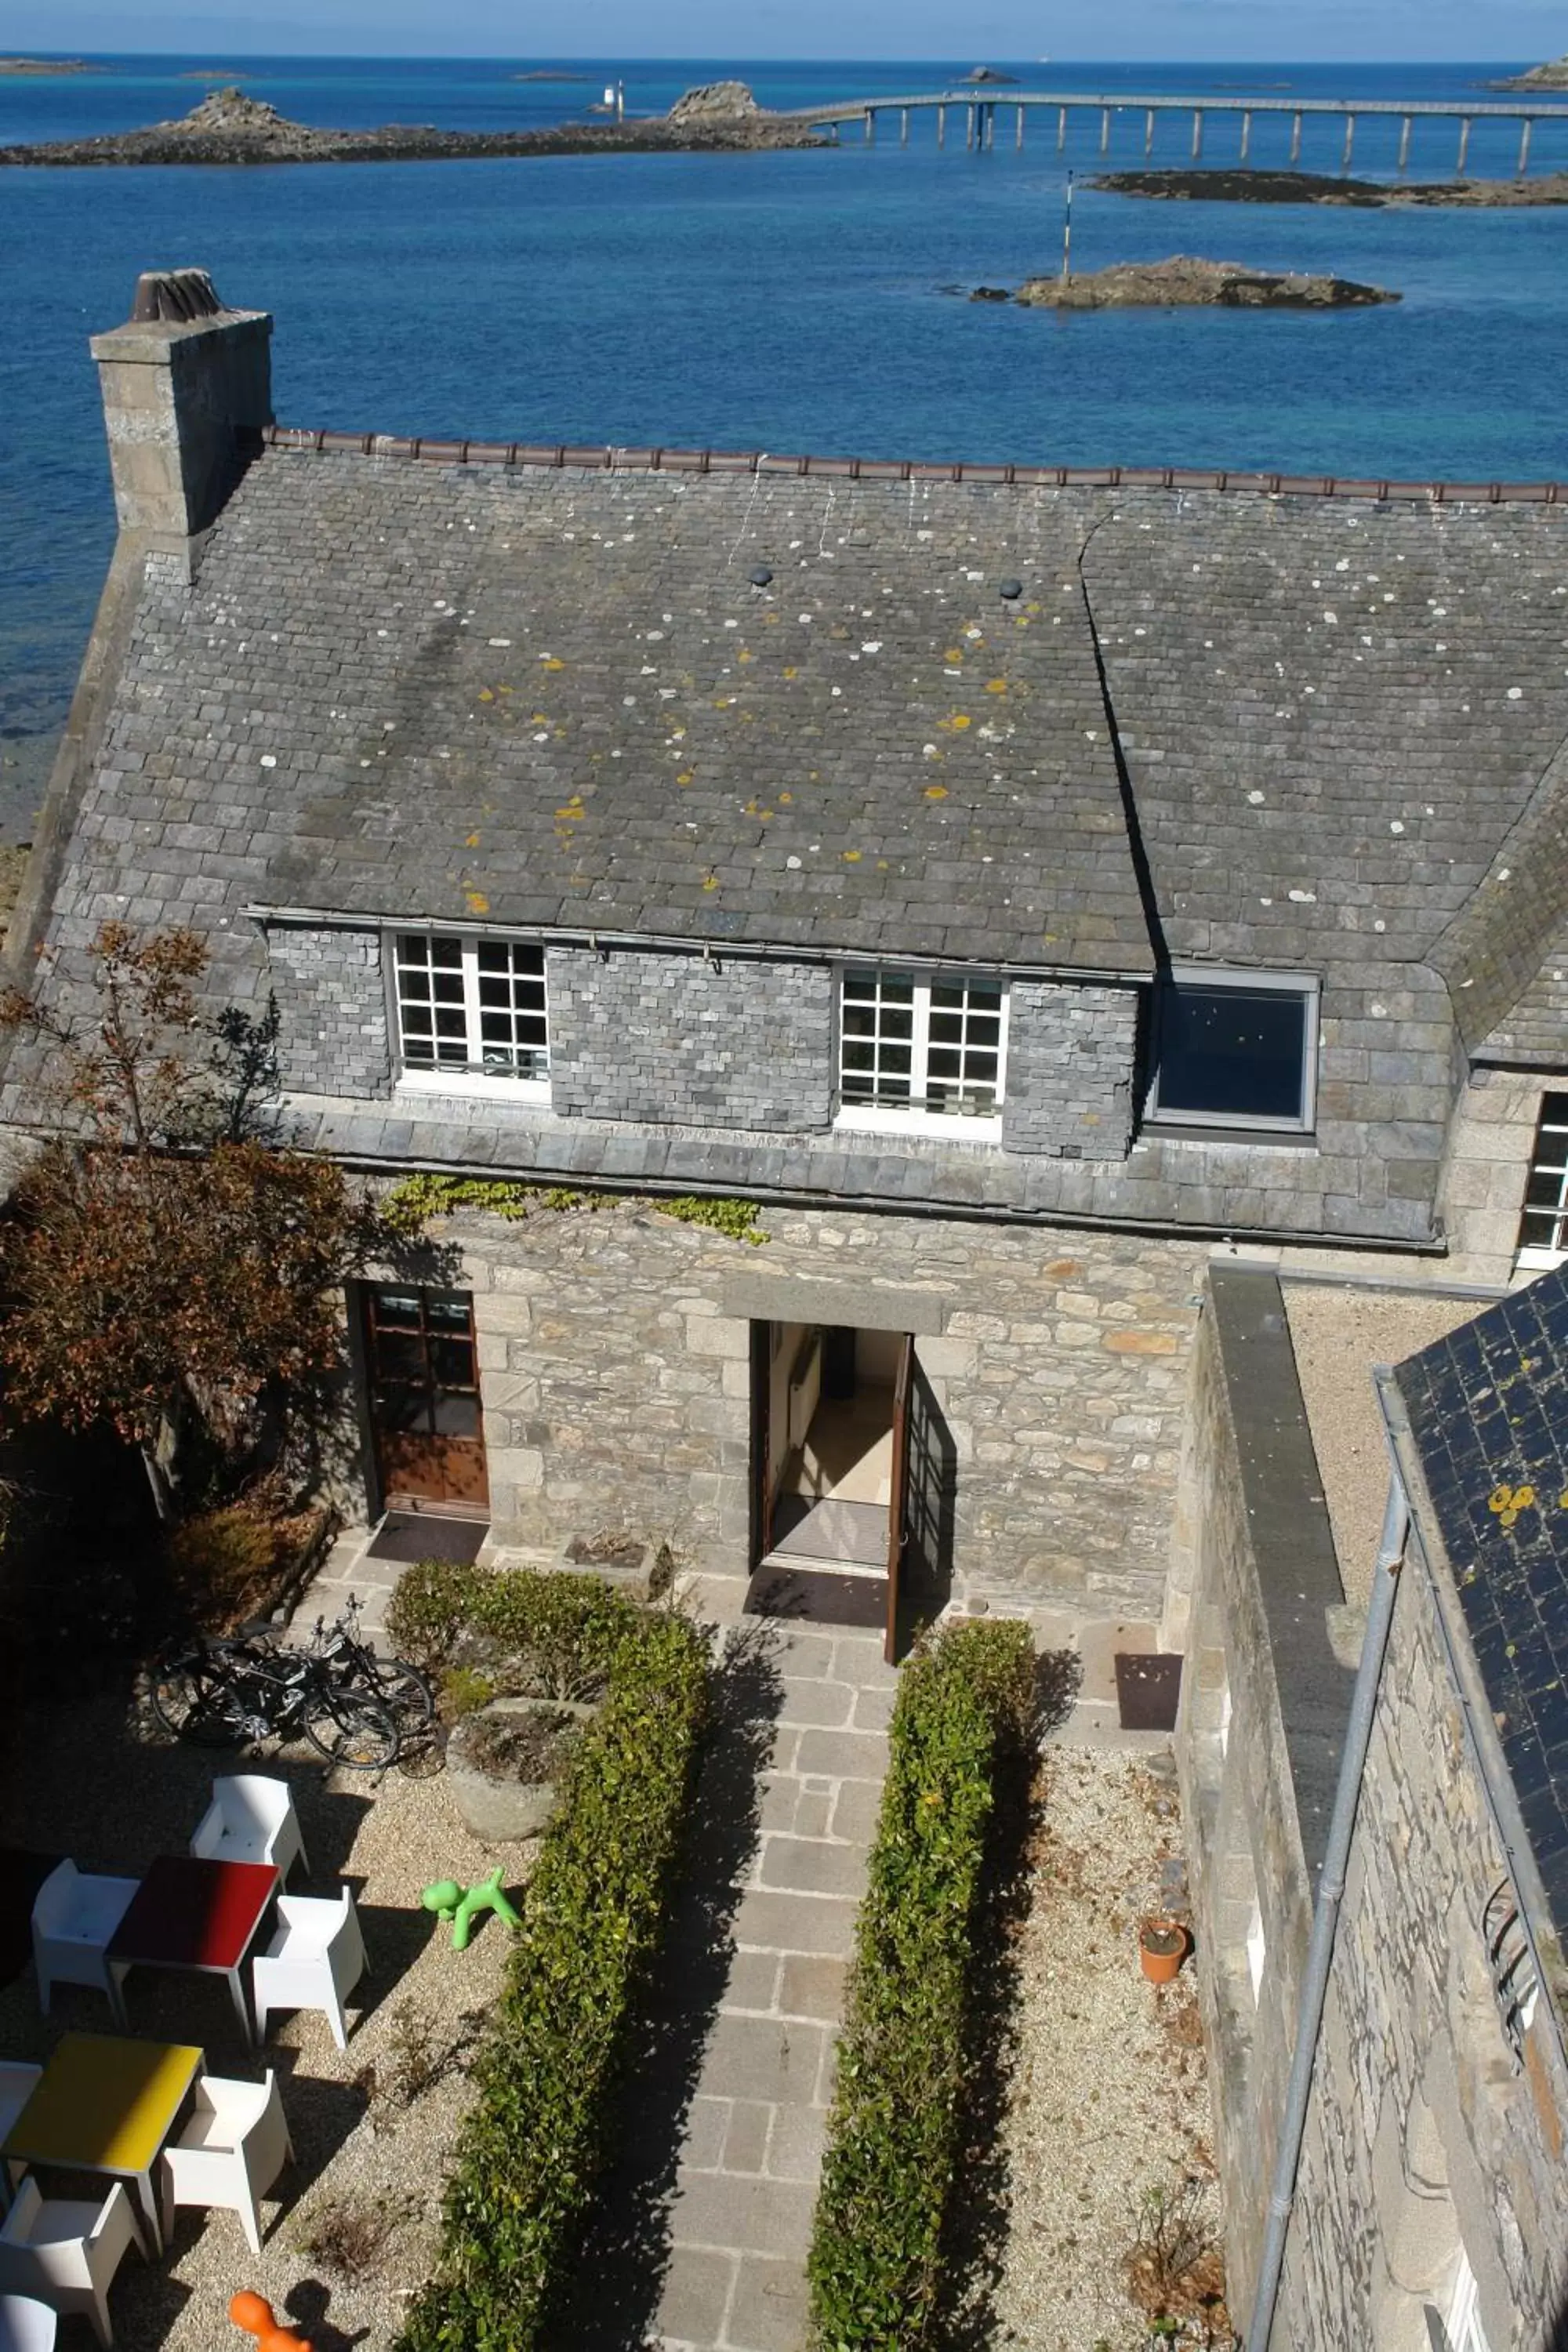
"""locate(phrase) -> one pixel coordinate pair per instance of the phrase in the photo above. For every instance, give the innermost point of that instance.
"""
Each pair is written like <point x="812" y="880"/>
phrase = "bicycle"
<point x="231" y="1693"/>
<point x="400" y="1686"/>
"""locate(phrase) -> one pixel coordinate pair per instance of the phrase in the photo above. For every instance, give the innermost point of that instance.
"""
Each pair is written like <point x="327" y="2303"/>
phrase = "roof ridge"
<point x="653" y="458"/>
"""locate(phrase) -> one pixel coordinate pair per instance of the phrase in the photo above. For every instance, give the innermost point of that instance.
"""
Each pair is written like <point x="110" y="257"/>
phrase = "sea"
<point x="788" y="302"/>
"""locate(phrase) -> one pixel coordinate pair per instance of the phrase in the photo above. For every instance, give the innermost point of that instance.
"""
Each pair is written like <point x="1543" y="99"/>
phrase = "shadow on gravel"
<point x="626" y="2253"/>
<point x="976" y="2231"/>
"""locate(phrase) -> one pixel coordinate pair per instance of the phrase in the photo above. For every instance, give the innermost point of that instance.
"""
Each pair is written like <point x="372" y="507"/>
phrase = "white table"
<point x="26" y="2325"/>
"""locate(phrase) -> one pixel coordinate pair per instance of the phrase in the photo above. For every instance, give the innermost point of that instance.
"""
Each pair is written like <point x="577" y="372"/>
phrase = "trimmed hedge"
<point x="966" y="1701"/>
<point x="559" y="1631"/>
<point x="530" y="2153"/>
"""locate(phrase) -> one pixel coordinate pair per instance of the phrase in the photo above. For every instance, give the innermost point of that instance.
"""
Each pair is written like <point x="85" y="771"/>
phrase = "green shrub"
<point x="464" y="1692"/>
<point x="546" y="1629"/>
<point x="529" y="2156"/>
<point x="736" y="1218"/>
<point x="966" y="1701"/>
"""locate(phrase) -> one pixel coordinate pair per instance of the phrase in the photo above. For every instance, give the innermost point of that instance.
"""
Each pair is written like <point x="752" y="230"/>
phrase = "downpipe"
<point x="1326" y="1916"/>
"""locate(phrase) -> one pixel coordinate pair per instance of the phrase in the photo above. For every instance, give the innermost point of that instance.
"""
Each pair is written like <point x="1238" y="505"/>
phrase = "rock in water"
<point x="712" y="101"/>
<point x="1187" y="282"/>
<point x="229" y="112"/>
<point x="1553" y="76"/>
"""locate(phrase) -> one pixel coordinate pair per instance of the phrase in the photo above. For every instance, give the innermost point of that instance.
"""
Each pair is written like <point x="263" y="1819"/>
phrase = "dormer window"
<point x="1544" y="1229"/>
<point x="919" y="1051"/>
<point x="472" y="1013"/>
<point x="1235" y="1049"/>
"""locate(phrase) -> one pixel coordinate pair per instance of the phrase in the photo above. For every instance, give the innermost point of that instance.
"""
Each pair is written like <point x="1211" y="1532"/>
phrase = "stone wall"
<point x="615" y="1352"/>
<point x="1485" y="1167"/>
<point x="332" y="999"/>
<point x="1422" y="2138"/>
<point x="1263" y="1700"/>
<point x="650" y="1035"/>
<point x="1071" y="1065"/>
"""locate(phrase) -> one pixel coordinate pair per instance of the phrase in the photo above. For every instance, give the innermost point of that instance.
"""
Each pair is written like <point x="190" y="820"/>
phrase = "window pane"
<point x="1544" y="1224"/>
<point x="1233" y="1052"/>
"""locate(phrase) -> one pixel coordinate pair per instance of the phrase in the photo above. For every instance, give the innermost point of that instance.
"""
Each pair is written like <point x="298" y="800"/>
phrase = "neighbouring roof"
<point x="1488" y="1408"/>
<point x="553" y="695"/>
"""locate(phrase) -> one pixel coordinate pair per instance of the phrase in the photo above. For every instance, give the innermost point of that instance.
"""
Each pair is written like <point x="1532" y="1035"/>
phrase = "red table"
<point x="189" y="1914"/>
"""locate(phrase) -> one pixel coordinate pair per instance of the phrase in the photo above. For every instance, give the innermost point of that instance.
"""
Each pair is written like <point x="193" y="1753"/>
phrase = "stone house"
<point x="1380" y="1858"/>
<point x="1016" y="882"/>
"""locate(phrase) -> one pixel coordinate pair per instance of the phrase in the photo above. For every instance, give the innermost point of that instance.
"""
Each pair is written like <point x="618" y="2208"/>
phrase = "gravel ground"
<point x="1339" y="1335"/>
<point x="92" y="1787"/>
<point x="1108" y="2092"/>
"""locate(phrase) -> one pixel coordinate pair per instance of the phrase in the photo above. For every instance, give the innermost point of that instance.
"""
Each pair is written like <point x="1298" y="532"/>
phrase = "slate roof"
<point x="413" y="689"/>
<point x="1489" y="1413"/>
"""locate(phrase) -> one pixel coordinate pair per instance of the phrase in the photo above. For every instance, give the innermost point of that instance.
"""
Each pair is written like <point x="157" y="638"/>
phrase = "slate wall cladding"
<point x="1239" y="1782"/>
<point x="617" y="1389"/>
<point x="1070" y="1069"/>
<point x="1421" y="2137"/>
<point x="734" y="1042"/>
<point x="332" y="999"/>
<point x="1486" y="1170"/>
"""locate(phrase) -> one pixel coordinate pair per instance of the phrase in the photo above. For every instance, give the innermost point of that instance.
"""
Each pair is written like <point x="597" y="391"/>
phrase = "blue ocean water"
<point x="783" y="301"/>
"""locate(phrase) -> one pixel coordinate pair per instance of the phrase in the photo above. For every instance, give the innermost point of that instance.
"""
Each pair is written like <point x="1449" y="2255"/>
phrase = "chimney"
<point x="182" y="381"/>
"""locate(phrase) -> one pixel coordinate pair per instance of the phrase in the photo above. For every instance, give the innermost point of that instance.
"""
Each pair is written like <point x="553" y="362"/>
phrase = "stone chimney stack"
<point x="182" y="381"/>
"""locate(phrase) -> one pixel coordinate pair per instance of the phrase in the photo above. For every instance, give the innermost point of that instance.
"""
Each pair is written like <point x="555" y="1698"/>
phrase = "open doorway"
<point x="830" y="1411"/>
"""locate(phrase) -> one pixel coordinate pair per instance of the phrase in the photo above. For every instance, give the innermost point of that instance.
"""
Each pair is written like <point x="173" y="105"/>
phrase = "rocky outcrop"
<point x="1186" y="283"/>
<point x="989" y="74"/>
<point x="1247" y="187"/>
<point x="229" y="128"/>
<point x="711" y="101"/>
<point x="1552" y="76"/>
<point x="47" y="65"/>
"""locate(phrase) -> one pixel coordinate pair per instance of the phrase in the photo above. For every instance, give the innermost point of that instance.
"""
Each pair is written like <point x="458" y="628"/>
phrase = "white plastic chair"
<point x="73" y="1918"/>
<point x="230" y="2152"/>
<point x="316" y="1956"/>
<point x="251" y="1819"/>
<point x="25" y="2325"/>
<point x="66" y="2253"/>
<point x="17" y="2083"/>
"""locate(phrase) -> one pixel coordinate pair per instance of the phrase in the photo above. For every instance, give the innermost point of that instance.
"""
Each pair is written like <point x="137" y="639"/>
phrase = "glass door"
<point x="424" y="1409"/>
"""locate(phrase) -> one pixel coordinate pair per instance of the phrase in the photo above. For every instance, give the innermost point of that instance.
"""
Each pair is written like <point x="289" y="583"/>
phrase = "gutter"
<point x="1326" y="1916"/>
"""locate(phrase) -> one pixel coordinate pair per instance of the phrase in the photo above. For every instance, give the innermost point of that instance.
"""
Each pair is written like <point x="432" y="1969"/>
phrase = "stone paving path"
<point x="739" y="2222"/>
<point x="704" y="2225"/>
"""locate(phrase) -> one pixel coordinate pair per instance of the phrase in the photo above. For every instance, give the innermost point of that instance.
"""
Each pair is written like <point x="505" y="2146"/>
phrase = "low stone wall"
<point x="615" y="1369"/>
<point x="1423" y="2138"/>
<point x="1263" y="1704"/>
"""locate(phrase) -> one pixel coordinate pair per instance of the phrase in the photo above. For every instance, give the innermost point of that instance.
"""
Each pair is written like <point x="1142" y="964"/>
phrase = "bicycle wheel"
<point x="403" y="1689"/>
<point x="194" y="1699"/>
<point x="352" y="1729"/>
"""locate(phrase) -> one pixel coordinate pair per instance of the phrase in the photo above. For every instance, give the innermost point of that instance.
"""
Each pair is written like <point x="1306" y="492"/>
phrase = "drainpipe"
<point x="1326" y="1916"/>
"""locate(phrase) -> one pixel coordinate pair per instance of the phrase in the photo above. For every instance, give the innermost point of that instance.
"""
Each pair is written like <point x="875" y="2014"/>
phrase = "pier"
<point x="977" y="109"/>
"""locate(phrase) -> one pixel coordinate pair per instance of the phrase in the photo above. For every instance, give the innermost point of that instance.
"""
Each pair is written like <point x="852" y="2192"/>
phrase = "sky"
<point x="1149" y="30"/>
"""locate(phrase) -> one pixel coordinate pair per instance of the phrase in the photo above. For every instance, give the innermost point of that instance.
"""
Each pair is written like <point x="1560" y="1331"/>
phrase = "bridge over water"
<point x="982" y="103"/>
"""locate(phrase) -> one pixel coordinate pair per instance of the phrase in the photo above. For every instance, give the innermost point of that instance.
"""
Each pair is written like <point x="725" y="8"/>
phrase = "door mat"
<point x="831" y="1531"/>
<point x="815" y="1597"/>
<point x="1148" y="1687"/>
<point x="409" y="1536"/>
<point x="21" y="1875"/>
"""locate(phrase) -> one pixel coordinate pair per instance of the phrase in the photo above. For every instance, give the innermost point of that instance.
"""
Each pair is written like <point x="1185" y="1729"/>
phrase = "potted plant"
<point x="507" y="1762"/>
<point x="1162" y="1945"/>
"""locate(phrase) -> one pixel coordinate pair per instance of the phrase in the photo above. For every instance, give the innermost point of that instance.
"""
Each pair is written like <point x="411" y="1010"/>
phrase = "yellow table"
<point x="105" y="2104"/>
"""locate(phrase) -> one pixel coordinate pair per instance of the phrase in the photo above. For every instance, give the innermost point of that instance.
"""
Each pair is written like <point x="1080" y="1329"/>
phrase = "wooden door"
<point x="424" y="1411"/>
<point x="897" y="1496"/>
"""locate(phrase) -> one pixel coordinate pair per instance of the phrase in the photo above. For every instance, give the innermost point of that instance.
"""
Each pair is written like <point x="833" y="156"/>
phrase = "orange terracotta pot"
<point x="1162" y="1946"/>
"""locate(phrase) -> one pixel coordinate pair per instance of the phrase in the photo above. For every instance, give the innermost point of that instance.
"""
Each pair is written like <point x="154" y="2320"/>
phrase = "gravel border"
<point x="1108" y="2098"/>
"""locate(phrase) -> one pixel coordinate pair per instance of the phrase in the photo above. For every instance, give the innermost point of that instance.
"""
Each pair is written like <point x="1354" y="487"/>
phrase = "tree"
<point x="170" y="1267"/>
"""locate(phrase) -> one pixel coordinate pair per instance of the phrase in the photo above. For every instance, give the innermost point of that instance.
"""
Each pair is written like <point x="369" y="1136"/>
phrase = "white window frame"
<point x="1302" y="984"/>
<point x="1533" y="1256"/>
<point x="1462" y="2322"/>
<point x="469" y="1079"/>
<point x="885" y="1119"/>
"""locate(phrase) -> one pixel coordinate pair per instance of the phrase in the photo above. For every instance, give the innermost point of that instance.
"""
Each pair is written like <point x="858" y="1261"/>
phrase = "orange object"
<point x="253" y="2313"/>
<point x="281" y="2340"/>
<point x="1162" y="1946"/>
